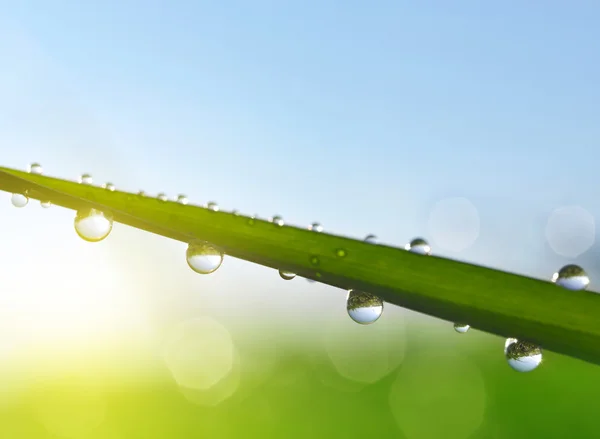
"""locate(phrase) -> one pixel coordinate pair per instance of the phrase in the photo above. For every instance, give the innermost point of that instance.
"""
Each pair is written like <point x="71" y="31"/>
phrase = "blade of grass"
<point x="490" y="300"/>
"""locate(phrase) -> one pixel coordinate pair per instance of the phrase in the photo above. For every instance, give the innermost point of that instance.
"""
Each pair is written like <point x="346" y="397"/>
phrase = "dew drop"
<point x="19" y="200"/>
<point x="211" y="205"/>
<point x="92" y="225"/>
<point x="363" y="308"/>
<point x="251" y="221"/>
<point x="235" y="213"/>
<point x="341" y="253"/>
<point x="571" y="277"/>
<point x="109" y="187"/>
<point x="371" y="239"/>
<point x="141" y="194"/>
<point x="162" y="197"/>
<point x="203" y="257"/>
<point x="419" y="246"/>
<point x="315" y="260"/>
<point x="315" y="227"/>
<point x="521" y="355"/>
<point x="287" y="275"/>
<point x="85" y="179"/>
<point x="461" y="328"/>
<point x="45" y="204"/>
<point x="182" y="199"/>
<point x="36" y="168"/>
<point x="277" y="220"/>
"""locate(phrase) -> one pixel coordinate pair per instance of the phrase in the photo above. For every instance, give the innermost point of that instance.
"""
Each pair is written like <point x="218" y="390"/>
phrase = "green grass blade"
<point x="490" y="300"/>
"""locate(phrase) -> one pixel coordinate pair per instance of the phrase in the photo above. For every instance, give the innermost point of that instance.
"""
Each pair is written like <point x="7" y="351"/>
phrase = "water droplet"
<point x="277" y="220"/>
<point x="93" y="225"/>
<point x="182" y="199"/>
<point x="251" y="221"/>
<point x="419" y="246"/>
<point x="109" y="187"/>
<point x="315" y="260"/>
<point x="371" y="239"/>
<point x="287" y="275"/>
<point x="45" y="204"/>
<point x="19" y="200"/>
<point x="211" y="205"/>
<point x="162" y="197"/>
<point x="235" y="213"/>
<point x="461" y="327"/>
<point x="141" y="194"/>
<point x="571" y="277"/>
<point x="36" y="168"/>
<point x="85" y="179"/>
<point x="341" y="253"/>
<point x="315" y="227"/>
<point x="521" y="355"/>
<point x="363" y="308"/>
<point x="203" y="257"/>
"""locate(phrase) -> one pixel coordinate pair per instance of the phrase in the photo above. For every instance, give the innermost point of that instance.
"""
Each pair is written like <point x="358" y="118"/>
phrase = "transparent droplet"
<point x="521" y="355"/>
<point x="341" y="253"/>
<point x="93" y="225"/>
<point x="235" y="212"/>
<point x="461" y="327"/>
<point x="287" y="275"/>
<point x="211" y="205"/>
<point x="203" y="257"/>
<point x="19" y="200"/>
<point x="45" y="204"/>
<point x="371" y="239"/>
<point x="251" y="221"/>
<point x="571" y="277"/>
<point x="315" y="227"/>
<point x="109" y="187"/>
<point x="419" y="246"/>
<point x="85" y="179"/>
<point x="277" y="220"/>
<point x="36" y="168"/>
<point x="315" y="260"/>
<point x="363" y="308"/>
<point x="182" y="199"/>
<point x="162" y="197"/>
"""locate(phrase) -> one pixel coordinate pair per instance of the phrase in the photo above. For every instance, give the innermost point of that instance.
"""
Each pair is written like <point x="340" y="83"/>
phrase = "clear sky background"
<point x="360" y="115"/>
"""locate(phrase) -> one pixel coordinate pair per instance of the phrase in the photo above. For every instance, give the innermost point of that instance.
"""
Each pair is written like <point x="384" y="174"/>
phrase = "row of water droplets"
<point x="363" y="308"/>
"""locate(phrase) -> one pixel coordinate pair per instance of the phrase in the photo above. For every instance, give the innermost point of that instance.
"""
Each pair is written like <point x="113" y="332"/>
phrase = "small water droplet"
<point x="371" y="239"/>
<point x="250" y="221"/>
<point x="235" y="213"/>
<point x="315" y="227"/>
<point x="93" y="225"/>
<point x="203" y="257"/>
<point x="109" y="187"/>
<point x="318" y="275"/>
<point x="571" y="277"/>
<point x="85" y="179"/>
<point x="277" y="220"/>
<point x="287" y="275"/>
<point x="363" y="308"/>
<point x="419" y="246"/>
<point x="461" y="327"/>
<point x="341" y="253"/>
<point x="141" y="194"/>
<point x="36" y="168"/>
<point x="521" y="355"/>
<point x="162" y="197"/>
<point x="211" y="205"/>
<point x="19" y="200"/>
<point x="315" y="260"/>
<point x="182" y="199"/>
<point x="45" y="204"/>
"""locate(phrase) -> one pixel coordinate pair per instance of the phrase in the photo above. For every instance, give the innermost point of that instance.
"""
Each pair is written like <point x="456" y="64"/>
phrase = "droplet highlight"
<point x="315" y="227"/>
<point x="162" y="197"/>
<point x="571" y="277"/>
<point x="522" y="356"/>
<point x="85" y="179"/>
<point x="461" y="328"/>
<point x="203" y="257"/>
<point x="211" y="205"/>
<point x="286" y="275"/>
<point x="341" y="253"/>
<point x="19" y="200"/>
<point x="93" y="225"/>
<point x="277" y="220"/>
<point x="182" y="199"/>
<point x="45" y="204"/>
<point x="371" y="239"/>
<point x="363" y="308"/>
<point x="109" y="187"/>
<point x="419" y="246"/>
<point x="36" y="168"/>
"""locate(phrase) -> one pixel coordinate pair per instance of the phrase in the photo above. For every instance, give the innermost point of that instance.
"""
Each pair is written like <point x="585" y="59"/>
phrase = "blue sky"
<point x="361" y="115"/>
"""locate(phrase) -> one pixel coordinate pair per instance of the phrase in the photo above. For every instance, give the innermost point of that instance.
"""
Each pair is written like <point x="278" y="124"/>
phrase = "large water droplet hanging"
<point x="109" y="187"/>
<point x="277" y="220"/>
<point x="85" y="179"/>
<point x="461" y="328"/>
<point x="92" y="225"/>
<point x="522" y="356"/>
<point x="211" y="205"/>
<point x="371" y="239"/>
<point x="419" y="246"/>
<point x="287" y="275"/>
<point x="363" y="308"/>
<point x="315" y="227"/>
<point x="571" y="277"/>
<point x="45" y="203"/>
<point x="182" y="199"/>
<point x="203" y="257"/>
<point x="36" y="168"/>
<point x="19" y="200"/>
